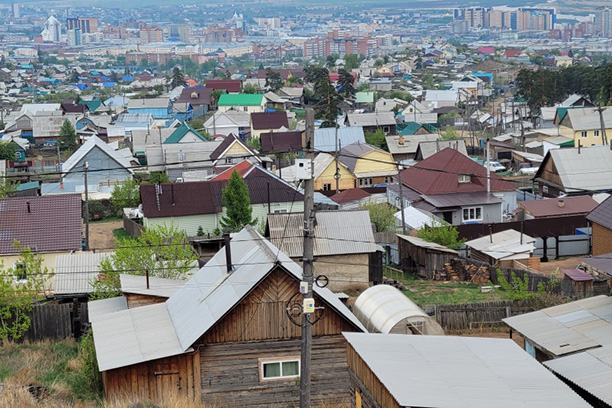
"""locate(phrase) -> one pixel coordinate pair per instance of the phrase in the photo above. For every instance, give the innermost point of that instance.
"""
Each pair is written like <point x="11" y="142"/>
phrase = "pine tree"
<point x="346" y="83"/>
<point x="177" y="78"/>
<point x="67" y="136"/>
<point x="274" y="81"/>
<point x="236" y="200"/>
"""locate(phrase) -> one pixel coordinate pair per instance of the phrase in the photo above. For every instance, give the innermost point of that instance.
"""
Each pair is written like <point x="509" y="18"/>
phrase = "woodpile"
<point x="460" y="270"/>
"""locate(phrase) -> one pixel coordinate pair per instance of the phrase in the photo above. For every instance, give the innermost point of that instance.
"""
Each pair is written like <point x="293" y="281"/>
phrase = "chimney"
<point x="561" y="203"/>
<point x="401" y="140"/>
<point x="228" y="250"/>
<point x="28" y="205"/>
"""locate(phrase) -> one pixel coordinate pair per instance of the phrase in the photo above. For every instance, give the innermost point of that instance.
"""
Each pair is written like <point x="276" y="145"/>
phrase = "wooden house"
<point x="601" y="222"/>
<point x="368" y="164"/>
<point x="422" y="257"/>
<point x="225" y="336"/>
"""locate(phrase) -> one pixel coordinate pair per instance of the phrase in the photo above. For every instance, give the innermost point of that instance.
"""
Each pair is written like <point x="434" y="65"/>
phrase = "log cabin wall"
<point x="134" y="300"/>
<point x="156" y="380"/>
<point x="262" y="315"/>
<point x="372" y="391"/>
<point x="231" y="374"/>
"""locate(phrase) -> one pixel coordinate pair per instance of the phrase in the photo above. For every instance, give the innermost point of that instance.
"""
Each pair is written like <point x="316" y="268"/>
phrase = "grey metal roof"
<point x="336" y="233"/>
<point x="429" y="148"/>
<point x="504" y="245"/>
<point x="461" y="199"/>
<point x="149" y="103"/>
<point x="92" y="143"/>
<point x="325" y="138"/>
<point x="98" y="308"/>
<point x="467" y="371"/>
<point x="410" y="142"/>
<point x="135" y="335"/>
<point x="426" y="244"/>
<point x="602" y="263"/>
<point x="588" y="118"/>
<point x="161" y="287"/>
<point x="349" y="155"/>
<point x="75" y="272"/>
<point x="591" y="169"/>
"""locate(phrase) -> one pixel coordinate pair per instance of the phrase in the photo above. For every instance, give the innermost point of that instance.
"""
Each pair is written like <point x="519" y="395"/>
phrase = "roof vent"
<point x="194" y="95"/>
<point x="561" y="203"/>
<point x="401" y="140"/>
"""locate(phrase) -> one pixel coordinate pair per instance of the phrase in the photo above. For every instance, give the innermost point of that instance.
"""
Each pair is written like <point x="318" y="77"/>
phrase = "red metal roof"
<point x="577" y="275"/>
<point x="241" y="168"/>
<point x="557" y="206"/>
<point x="439" y="174"/>
<point x="230" y="85"/>
<point x="350" y="195"/>
<point x="45" y="224"/>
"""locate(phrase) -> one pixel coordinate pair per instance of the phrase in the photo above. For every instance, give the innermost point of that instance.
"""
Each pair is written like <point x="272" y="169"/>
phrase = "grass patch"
<point x="121" y="234"/>
<point x="428" y="293"/>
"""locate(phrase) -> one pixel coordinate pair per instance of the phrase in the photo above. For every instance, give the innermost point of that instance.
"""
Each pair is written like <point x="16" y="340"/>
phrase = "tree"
<point x="126" y="195"/>
<point x="67" y="136"/>
<point x="235" y="198"/>
<point x="158" y="177"/>
<point x="7" y="189"/>
<point x="73" y="77"/>
<point x="377" y="139"/>
<point x="382" y="215"/>
<point x="274" y="81"/>
<point x="441" y="232"/>
<point x="177" y="78"/>
<point x="351" y="61"/>
<point x="6" y="151"/>
<point x="20" y="287"/>
<point x="250" y="89"/>
<point x="330" y="62"/>
<point x="162" y="251"/>
<point x="327" y="99"/>
<point x="215" y="95"/>
<point x="346" y="82"/>
<point x="451" y="134"/>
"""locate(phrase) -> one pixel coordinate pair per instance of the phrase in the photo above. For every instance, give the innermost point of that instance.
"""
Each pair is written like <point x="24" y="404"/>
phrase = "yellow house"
<point x="583" y="126"/>
<point x="231" y="152"/>
<point x="325" y="170"/>
<point x="49" y="226"/>
<point x="369" y="164"/>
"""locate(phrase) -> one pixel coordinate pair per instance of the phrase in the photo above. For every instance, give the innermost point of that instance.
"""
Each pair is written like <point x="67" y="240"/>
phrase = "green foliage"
<point x="158" y="177"/>
<point x="7" y="189"/>
<point x="200" y="232"/>
<point x="377" y="139"/>
<point x="2" y="125"/>
<point x="177" y="78"/>
<point x="428" y="81"/>
<point x="250" y="89"/>
<point x="381" y="215"/>
<point x="99" y="211"/>
<point x="236" y="200"/>
<point x="20" y="286"/>
<point x="197" y="123"/>
<point x="161" y="250"/>
<point x="327" y="99"/>
<point x="89" y="369"/>
<point x="126" y="195"/>
<point x="351" y="61"/>
<point x="346" y="84"/>
<point x="6" y="151"/>
<point x="294" y="80"/>
<point x="451" y="134"/>
<point x="274" y="81"/>
<point x="516" y="289"/>
<point x="441" y="233"/>
<point x="67" y="136"/>
<point x="399" y="94"/>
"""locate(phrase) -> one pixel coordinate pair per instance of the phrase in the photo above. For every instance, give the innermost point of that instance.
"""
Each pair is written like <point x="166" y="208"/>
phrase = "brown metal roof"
<point x="230" y="85"/>
<point x="269" y="120"/>
<point x="195" y="96"/>
<point x="45" y="224"/>
<point x="281" y="141"/>
<point x="577" y="275"/>
<point x="554" y="207"/>
<point x="602" y="214"/>
<point x="349" y="195"/>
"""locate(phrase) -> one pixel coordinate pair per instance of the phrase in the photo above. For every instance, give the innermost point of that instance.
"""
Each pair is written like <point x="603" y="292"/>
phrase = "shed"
<point x="423" y="257"/>
<point x="501" y="248"/>
<point x="384" y="309"/>
<point x="581" y="281"/>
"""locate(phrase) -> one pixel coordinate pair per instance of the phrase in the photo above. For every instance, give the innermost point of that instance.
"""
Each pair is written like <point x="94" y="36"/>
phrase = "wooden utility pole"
<point x="401" y="194"/>
<point x="86" y="207"/>
<point x="337" y="173"/>
<point x="604" y="137"/>
<point x="307" y="266"/>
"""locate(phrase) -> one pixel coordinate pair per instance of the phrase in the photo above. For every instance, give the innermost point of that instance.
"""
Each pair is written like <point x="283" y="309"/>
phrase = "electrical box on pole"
<point x="303" y="169"/>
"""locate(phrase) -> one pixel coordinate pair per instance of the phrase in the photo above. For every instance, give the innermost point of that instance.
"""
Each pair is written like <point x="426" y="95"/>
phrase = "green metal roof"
<point x="92" y="105"/>
<point x="412" y="127"/>
<point x="240" y="100"/>
<point x="364" y="97"/>
<point x="27" y="186"/>
<point x="180" y="132"/>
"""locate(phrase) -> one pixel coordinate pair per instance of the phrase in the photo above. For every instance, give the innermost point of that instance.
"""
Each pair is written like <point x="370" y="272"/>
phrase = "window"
<point x="545" y="189"/>
<point x="21" y="274"/>
<point x="583" y="134"/>
<point x="388" y="180"/>
<point x="386" y="129"/>
<point x="596" y="133"/>
<point x="465" y="178"/>
<point x="327" y="187"/>
<point x="365" y="182"/>
<point x="280" y="211"/>
<point x="229" y="160"/>
<point x="472" y="214"/>
<point x="279" y="369"/>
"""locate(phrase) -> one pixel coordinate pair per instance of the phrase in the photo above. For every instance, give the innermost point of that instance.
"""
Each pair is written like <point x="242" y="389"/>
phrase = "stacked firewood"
<point x="459" y="270"/>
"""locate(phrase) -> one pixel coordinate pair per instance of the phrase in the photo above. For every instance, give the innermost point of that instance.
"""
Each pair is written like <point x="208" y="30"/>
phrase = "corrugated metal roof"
<point x="134" y="335"/>
<point x="602" y="214"/>
<point x="559" y="206"/>
<point x="602" y="263"/>
<point x="461" y="199"/>
<point x="240" y="100"/>
<point x="336" y="233"/>
<point x="98" y="308"/>
<point x="588" y="170"/>
<point x="382" y="307"/>
<point x="371" y="119"/>
<point x="92" y="142"/>
<point x="410" y="142"/>
<point x="161" y="287"/>
<point x="588" y="118"/>
<point x="325" y="138"/>
<point x="499" y="374"/>
<point x="149" y="103"/>
<point x="426" y="244"/>
<point x="429" y="148"/>
<point x="416" y="218"/>
<point x="506" y="245"/>
<point x="75" y="272"/>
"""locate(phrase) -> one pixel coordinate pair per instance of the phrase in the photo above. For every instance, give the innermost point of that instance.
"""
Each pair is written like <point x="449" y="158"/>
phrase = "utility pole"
<point x="308" y="269"/>
<point x="86" y="208"/>
<point x="604" y="137"/>
<point x="401" y="193"/>
<point x="337" y="173"/>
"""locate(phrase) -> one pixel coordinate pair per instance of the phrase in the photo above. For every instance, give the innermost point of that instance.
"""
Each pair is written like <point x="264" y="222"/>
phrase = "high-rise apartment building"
<point x="521" y="19"/>
<point x="53" y="30"/>
<point x="179" y="32"/>
<point x="85" y="24"/>
<point x="151" y="35"/>
<point x="603" y="23"/>
<point x="16" y="10"/>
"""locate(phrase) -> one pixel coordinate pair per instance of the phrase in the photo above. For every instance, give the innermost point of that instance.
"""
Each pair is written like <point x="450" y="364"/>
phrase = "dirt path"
<point x="101" y="235"/>
<point x="554" y="266"/>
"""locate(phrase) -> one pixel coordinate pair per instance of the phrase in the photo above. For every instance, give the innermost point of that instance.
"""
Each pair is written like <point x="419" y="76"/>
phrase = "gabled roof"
<point x="550" y="207"/>
<point x="325" y="138"/>
<point x="602" y="214"/>
<point x="587" y="118"/>
<point x="587" y="170"/>
<point x="171" y="328"/>
<point x="242" y="168"/>
<point x="181" y="131"/>
<point x="412" y="127"/>
<point x="226" y="144"/>
<point x="92" y="143"/>
<point x="269" y="120"/>
<point x="336" y="233"/>
<point x="429" y="148"/>
<point x="49" y="223"/>
<point x="439" y="174"/>
<point x="240" y="100"/>
<point x="195" y="96"/>
<point x="237" y="118"/>
<point x="351" y="194"/>
<point x="410" y="143"/>
<point x="74" y="273"/>
<point x="230" y="85"/>
<point x="281" y="141"/>
<point x="349" y="155"/>
<point x="371" y="119"/>
<point x="364" y="97"/>
<point x="149" y="103"/>
<point x="505" y="245"/>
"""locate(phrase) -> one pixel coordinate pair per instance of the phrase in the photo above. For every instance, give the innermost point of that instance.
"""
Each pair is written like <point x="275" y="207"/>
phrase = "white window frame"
<point x="465" y="178"/>
<point x="596" y="133"/>
<point x="472" y="212"/>
<point x="584" y="134"/>
<point x="280" y="361"/>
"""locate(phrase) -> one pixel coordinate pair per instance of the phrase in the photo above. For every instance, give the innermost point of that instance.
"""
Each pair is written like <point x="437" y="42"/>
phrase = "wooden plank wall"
<point x="230" y="374"/>
<point x="369" y="381"/>
<point x="55" y="321"/>
<point x="156" y="380"/>
<point x="135" y="300"/>
<point x="262" y="315"/>
<point x="474" y="315"/>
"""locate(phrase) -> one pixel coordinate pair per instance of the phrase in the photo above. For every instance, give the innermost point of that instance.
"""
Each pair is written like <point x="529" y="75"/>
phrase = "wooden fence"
<point x="474" y="315"/>
<point x="57" y="321"/>
<point x="132" y="227"/>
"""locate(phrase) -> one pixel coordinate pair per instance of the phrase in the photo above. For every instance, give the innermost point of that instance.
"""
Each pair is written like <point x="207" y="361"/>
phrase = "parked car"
<point x="50" y="143"/>
<point x="528" y="170"/>
<point x="495" y="167"/>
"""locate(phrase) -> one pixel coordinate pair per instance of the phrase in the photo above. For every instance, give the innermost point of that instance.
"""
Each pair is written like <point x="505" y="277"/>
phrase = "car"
<point x="495" y="167"/>
<point x="50" y="143"/>
<point x="528" y="170"/>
